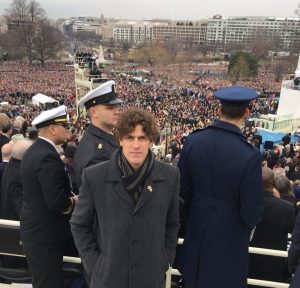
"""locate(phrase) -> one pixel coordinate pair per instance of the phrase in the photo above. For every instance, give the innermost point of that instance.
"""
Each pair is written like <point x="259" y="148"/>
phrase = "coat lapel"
<point x="115" y="176"/>
<point x="123" y="194"/>
<point x="150" y="187"/>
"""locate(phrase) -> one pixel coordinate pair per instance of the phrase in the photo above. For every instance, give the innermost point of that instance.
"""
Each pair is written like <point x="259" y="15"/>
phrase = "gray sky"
<point x="171" y="9"/>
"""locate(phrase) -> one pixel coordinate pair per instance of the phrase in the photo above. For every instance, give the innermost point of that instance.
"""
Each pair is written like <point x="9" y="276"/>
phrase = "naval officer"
<point x="47" y="201"/>
<point x="98" y="141"/>
<point x="221" y="183"/>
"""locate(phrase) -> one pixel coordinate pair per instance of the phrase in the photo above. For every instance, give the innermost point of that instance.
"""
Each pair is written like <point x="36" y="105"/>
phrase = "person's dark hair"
<point x="130" y="118"/>
<point x="233" y="112"/>
<point x="33" y="135"/>
<point x="6" y="127"/>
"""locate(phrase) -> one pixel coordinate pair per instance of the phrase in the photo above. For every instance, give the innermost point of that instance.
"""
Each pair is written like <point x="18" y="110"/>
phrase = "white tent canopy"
<point x="42" y="99"/>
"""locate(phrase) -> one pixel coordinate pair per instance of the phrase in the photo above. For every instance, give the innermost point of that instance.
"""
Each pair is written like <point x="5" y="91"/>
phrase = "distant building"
<point x="87" y="24"/>
<point x="189" y="32"/>
<point x="13" y="25"/>
<point x="134" y="32"/>
<point x="161" y="30"/>
<point x="243" y="30"/>
<point x="214" y="32"/>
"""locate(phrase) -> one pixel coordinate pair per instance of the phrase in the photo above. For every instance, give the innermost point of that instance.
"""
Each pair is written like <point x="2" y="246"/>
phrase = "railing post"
<point x="168" y="278"/>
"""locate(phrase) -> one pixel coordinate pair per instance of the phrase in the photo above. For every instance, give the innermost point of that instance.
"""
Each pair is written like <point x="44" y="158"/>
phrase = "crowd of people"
<point x="181" y="103"/>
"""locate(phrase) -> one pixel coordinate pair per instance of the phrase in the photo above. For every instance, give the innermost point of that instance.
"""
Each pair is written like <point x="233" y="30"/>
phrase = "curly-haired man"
<point x="135" y="200"/>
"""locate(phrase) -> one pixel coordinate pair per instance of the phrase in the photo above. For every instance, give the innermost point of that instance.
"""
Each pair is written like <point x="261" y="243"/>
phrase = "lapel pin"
<point x="100" y="146"/>
<point x="149" y="188"/>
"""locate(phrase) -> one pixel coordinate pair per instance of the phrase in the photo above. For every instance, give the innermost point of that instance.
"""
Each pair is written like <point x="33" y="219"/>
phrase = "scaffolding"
<point x="88" y="76"/>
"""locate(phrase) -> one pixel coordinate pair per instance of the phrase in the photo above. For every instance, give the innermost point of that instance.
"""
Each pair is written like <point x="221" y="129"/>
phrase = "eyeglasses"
<point x="65" y="125"/>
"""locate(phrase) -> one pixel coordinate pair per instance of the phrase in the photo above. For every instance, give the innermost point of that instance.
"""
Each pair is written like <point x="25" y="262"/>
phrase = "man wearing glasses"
<point x="47" y="201"/>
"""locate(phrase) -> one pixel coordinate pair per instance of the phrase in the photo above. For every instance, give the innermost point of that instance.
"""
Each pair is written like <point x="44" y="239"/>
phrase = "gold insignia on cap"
<point x="59" y="120"/>
<point x="114" y="88"/>
<point x="100" y="146"/>
<point x="149" y="188"/>
<point x="94" y="102"/>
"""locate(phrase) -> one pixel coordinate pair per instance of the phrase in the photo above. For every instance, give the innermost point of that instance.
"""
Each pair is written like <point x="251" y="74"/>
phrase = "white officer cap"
<point x="104" y="94"/>
<point x="53" y="116"/>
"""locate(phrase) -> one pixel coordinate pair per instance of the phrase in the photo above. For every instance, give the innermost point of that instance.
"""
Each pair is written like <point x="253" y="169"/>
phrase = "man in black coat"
<point x="272" y="233"/>
<point x="12" y="194"/>
<point x="286" y="139"/>
<point x="98" y="141"/>
<point x="47" y="201"/>
<point x="11" y="184"/>
<point x="5" y="136"/>
<point x="135" y="200"/>
<point x="6" y="155"/>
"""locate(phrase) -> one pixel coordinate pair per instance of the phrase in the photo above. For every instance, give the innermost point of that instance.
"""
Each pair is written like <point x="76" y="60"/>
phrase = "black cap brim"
<point x="114" y="102"/>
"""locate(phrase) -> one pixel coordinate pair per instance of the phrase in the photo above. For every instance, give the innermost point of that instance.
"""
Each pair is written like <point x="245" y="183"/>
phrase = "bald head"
<point x="19" y="148"/>
<point x="268" y="179"/>
<point x="6" y="151"/>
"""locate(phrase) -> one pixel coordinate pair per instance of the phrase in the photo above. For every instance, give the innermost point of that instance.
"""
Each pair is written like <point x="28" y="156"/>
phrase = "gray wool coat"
<point x="135" y="244"/>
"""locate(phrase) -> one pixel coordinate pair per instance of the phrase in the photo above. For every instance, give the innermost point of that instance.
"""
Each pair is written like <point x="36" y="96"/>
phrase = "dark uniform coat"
<point x="294" y="254"/>
<point x="46" y="191"/>
<point x="3" y="140"/>
<point x="272" y="233"/>
<point x="95" y="146"/>
<point x="221" y="184"/>
<point x="136" y="243"/>
<point x="11" y="191"/>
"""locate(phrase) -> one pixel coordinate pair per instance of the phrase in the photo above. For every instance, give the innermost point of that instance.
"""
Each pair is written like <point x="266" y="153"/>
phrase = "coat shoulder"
<point x="97" y="169"/>
<point x="167" y="169"/>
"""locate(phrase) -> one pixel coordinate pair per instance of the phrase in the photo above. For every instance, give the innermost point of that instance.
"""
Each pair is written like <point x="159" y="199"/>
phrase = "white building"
<point x="87" y="25"/>
<point x="189" y="32"/>
<point x="133" y="31"/>
<point x="242" y="30"/>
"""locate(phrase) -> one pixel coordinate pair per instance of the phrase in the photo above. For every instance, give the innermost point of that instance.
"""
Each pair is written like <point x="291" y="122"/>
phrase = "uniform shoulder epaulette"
<point x="249" y="144"/>
<point x="198" y="130"/>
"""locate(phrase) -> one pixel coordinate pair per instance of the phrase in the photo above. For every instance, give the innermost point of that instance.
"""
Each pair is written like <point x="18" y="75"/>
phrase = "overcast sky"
<point x="171" y="9"/>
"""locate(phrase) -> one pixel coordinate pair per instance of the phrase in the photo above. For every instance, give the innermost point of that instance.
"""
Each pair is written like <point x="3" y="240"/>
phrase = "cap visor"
<point x="114" y="102"/>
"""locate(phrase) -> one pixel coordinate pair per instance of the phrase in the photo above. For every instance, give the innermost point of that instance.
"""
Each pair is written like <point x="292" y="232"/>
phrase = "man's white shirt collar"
<point x="50" y="142"/>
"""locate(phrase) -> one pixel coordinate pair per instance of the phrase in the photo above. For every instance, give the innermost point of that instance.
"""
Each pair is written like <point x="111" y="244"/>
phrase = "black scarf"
<point x="134" y="180"/>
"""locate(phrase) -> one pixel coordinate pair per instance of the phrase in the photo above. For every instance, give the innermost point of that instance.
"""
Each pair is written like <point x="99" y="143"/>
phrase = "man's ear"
<point x="247" y="113"/>
<point x="91" y="111"/>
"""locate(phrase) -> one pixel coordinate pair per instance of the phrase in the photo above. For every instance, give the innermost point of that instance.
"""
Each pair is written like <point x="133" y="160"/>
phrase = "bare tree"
<point x="47" y="41"/>
<point x="35" y="11"/>
<point x="263" y="42"/>
<point x="22" y="18"/>
<point x="173" y="47"/>
<point x="279" y="69"/>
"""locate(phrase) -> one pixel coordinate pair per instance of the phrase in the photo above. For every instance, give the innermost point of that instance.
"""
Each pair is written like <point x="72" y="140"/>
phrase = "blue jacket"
<point x="222" y="188"/>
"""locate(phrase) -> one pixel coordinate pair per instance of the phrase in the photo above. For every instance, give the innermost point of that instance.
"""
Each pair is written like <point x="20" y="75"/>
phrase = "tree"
<point x="242" y="65"/>
<point x="173" y="47"/>
<point x="280" y="68"/>
<point x="203" y="48"/>
<point x="9" y="47"/>
<point x="22" y="18"/>
<point x="47" y="41"/>
<point x="152" y="55"/>
<point x="262" y="43"/>
<point x="31" y="32"/>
